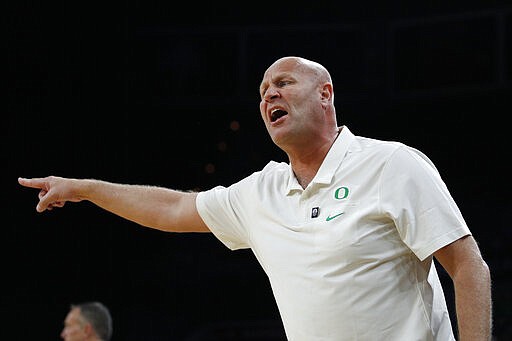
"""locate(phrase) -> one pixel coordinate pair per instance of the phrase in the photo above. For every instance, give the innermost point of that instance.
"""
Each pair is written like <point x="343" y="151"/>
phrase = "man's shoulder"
<point x="273" y="166"/>
<point x="274" y="170"/>
<point x="401" y="153"/>
<point x="271" y="171"/>
<point x="375" y="145"/>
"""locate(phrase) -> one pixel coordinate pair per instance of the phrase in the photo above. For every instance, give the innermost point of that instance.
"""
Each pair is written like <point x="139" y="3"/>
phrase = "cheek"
<point x="262" y="110"/>
<point x="73" y="331"/>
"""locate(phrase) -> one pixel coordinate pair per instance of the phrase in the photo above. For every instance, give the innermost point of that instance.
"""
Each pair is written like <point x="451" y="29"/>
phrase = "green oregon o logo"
<point x="341" y="193"/>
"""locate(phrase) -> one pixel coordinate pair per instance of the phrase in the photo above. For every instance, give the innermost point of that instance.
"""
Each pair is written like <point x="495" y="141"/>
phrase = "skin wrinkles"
<point x="304" y="90"/>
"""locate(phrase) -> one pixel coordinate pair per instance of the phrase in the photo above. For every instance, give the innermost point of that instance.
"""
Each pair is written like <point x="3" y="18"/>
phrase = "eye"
<point x="263" y="90"/>
<point x="282" y="83"/>
<point x="277" y="84"/>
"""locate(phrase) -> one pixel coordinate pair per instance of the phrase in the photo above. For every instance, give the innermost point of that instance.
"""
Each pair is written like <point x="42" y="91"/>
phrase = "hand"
<point x="54" y="191"/>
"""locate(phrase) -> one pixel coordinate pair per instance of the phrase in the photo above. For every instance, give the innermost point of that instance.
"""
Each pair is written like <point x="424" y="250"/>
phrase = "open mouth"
<point x="277" y="114"/>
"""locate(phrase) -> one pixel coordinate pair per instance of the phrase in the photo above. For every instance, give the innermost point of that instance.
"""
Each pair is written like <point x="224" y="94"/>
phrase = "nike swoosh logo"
<point x="329" y="218"/>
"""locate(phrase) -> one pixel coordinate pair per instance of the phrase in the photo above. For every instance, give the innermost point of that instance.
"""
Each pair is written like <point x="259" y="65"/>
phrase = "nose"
<point x="271" y="94"/>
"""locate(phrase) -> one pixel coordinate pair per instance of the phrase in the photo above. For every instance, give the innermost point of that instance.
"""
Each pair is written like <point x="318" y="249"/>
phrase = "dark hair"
<point x="98" y="315"/>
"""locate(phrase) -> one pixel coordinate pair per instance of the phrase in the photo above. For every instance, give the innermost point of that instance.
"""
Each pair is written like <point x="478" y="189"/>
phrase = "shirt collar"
<point x="331" y="162"/>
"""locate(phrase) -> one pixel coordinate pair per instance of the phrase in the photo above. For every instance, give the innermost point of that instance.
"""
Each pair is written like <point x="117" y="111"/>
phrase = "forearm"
<point x="150" y="206"/>
<point x="473" y="302"/>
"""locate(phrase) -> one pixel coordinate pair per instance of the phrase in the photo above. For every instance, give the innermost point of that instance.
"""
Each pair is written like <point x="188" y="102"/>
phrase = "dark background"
<point x="166" y="94"/>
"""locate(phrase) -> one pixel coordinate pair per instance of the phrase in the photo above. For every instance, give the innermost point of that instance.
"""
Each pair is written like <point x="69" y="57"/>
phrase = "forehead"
<point x="73" y="316"/>
<point x="286" y="68"/>
<point x="281" y="67"/>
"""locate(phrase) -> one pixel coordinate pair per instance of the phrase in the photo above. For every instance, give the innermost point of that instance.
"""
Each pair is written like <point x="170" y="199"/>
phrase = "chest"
<point x="334" y="228"/>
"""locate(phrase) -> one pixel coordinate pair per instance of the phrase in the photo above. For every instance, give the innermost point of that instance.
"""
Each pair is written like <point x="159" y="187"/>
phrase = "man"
<point x="346" y="232"/>
<point x="88" y="321"/>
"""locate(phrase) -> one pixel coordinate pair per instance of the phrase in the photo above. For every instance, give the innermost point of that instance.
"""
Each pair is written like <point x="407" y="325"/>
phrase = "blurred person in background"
<point x="88" y="321"/>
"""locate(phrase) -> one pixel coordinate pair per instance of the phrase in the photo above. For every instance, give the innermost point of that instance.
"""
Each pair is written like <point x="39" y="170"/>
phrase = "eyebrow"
<point x="280" y="76"/>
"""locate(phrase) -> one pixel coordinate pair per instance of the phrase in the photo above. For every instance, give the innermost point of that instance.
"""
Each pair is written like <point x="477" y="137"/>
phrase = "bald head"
<point x="317" y="71"/>
<point x="304" y="65"/>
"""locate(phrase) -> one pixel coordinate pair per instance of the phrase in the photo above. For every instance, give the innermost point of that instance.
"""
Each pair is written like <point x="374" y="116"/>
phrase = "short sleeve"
<point x="413" y="194"/>
<point x="218" y="209"/>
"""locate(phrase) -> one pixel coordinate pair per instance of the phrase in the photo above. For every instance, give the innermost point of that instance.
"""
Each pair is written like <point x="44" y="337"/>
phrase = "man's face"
<point x="290" y="100"/>
<point x="74" y="327"/>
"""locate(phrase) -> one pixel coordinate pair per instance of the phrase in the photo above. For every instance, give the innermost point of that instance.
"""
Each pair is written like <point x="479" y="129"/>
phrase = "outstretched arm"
<point x="150" y="206"/>
<point x="472" y="283"/>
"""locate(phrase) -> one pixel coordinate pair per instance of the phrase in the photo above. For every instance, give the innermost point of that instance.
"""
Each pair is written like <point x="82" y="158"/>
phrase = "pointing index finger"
<point x="32" y="183"/>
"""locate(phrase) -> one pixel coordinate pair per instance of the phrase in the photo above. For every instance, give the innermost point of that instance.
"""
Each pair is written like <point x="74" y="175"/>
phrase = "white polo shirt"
<point x="350" y="256"/>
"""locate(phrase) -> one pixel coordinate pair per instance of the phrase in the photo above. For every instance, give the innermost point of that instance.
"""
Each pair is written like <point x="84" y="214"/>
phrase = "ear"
<point x="326" y="93"/>
<point x="88" y="330"/>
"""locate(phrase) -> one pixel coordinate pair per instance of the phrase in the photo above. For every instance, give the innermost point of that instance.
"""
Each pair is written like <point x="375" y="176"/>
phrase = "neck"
<point x="307" y="161"/>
